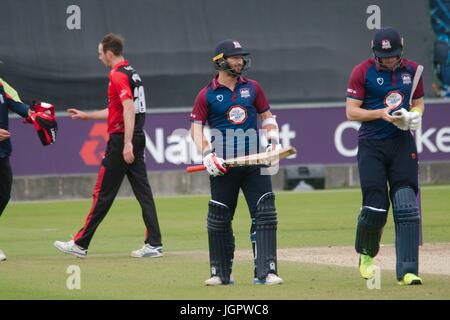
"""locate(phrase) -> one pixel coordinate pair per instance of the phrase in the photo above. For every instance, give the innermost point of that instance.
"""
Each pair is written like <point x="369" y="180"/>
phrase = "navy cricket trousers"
<point x="225" y="189"/>
<point x="389" y="161"/>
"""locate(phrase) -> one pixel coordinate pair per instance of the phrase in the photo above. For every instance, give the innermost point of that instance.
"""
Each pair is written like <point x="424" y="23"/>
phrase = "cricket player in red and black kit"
<point x="387" y="152"/>
<point x="124" y="154"/>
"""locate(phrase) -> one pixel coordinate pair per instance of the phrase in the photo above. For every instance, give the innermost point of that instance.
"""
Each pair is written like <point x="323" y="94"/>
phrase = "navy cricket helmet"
<point x="387" y="43"/>
<point x="229" y="48"/>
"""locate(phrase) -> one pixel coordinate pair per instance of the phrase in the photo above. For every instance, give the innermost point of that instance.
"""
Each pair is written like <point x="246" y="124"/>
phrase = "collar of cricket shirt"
<point x="120" y="64"/>
<point x="216" y="84"/>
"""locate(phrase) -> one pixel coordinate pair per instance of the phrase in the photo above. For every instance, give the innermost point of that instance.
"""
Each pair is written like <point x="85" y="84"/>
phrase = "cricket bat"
<point x="416" y="80"/>
<point x="263" y="158"/>
<point x="417" y="76"/>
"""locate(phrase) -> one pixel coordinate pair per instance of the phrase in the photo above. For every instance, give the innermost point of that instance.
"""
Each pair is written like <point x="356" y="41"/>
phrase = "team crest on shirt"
<point x="219" y="97"/>
<point x="380" y="81"/>
<point x="406" y="78"/>
<point x="393" y="99"/>
<point x="245" y="93"/>
<point x="237" y="114"/>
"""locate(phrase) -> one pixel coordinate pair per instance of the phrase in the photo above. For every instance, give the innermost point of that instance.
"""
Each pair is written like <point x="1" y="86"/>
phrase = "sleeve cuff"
<point x="356" y="98"/>
<point x="202" y="121"/>
<point x="264" y="110"/>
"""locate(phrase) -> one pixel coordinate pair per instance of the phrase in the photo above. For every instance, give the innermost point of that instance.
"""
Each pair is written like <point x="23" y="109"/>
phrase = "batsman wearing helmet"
<point x="379" y="95"/>
<point x="10" y="100"/>
<point x="231" y="104"/>
<point x="124" y="154"/>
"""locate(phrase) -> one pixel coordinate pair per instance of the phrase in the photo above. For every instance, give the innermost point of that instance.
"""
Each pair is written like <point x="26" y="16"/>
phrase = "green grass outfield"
<point x="36" y="270"/>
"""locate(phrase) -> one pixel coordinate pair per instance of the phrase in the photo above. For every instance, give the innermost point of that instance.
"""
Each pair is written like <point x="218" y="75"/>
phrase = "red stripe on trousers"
<point x="97" y="187"/>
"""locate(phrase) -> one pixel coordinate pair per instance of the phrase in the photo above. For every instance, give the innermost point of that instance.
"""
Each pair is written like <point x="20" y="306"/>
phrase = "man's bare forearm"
<point x="98" y="115"/>
<point x="199" y="138"/>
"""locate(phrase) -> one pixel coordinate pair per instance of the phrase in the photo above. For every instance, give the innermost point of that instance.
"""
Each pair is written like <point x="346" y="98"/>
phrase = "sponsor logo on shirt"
<point x="237" y="114"/>
<point x="245" y="93"/>
<point x="393" y="99"/>
<point x="351" y="91"/>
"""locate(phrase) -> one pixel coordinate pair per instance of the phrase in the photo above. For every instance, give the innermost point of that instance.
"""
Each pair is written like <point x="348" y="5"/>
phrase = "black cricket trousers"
<point x="110" y="177"/>
<point x="5" y="183"/>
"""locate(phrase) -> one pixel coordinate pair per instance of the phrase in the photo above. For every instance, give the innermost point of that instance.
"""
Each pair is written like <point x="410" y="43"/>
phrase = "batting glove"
<point x="415" y="121"/>
<point x="214" y="165"/>
<point x="403" y="119"/>
<point x="273" y="139"/>
<point x="273" y="147"/>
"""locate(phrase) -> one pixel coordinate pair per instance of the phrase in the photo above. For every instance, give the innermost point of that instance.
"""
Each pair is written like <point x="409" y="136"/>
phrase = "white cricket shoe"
<point x="147" y="251"/>
<point x="271" y="279"/>
<point x="216" y="281"/>
<point x="2" y="256"/>
<point x="71" y="248"/>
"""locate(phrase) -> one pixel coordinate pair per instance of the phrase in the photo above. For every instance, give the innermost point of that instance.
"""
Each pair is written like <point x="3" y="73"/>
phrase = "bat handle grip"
<point x="195" y="168"/>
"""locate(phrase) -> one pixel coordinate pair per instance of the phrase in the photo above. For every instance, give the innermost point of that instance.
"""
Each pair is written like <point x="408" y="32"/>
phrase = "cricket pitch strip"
<point x="434" y="258"/>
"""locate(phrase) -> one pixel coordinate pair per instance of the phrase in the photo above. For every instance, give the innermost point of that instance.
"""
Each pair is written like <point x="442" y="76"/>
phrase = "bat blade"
<point x="416" y="80"/>
<point x="415" y="83"/>
<point x="263" y="158"/>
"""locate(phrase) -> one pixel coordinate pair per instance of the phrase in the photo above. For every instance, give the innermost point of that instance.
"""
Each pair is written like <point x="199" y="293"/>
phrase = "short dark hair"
<point x="113" y="43"/>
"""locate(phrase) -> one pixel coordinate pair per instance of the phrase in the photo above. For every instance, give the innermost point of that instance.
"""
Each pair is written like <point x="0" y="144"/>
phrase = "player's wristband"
<point x="418" y="110"/>
<point x="205" y="153"/>
<point x="270" y="121"/>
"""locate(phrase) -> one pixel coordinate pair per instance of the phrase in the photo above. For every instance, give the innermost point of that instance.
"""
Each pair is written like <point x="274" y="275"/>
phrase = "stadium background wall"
<point x="302" y="54"/>
<point x="302" y="51"/>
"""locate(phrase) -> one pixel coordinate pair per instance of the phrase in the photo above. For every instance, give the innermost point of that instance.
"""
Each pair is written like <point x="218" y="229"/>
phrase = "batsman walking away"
<point x="378" y="95"/>
<point x="231" y="103"/>
<point x="124" y="153"/>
